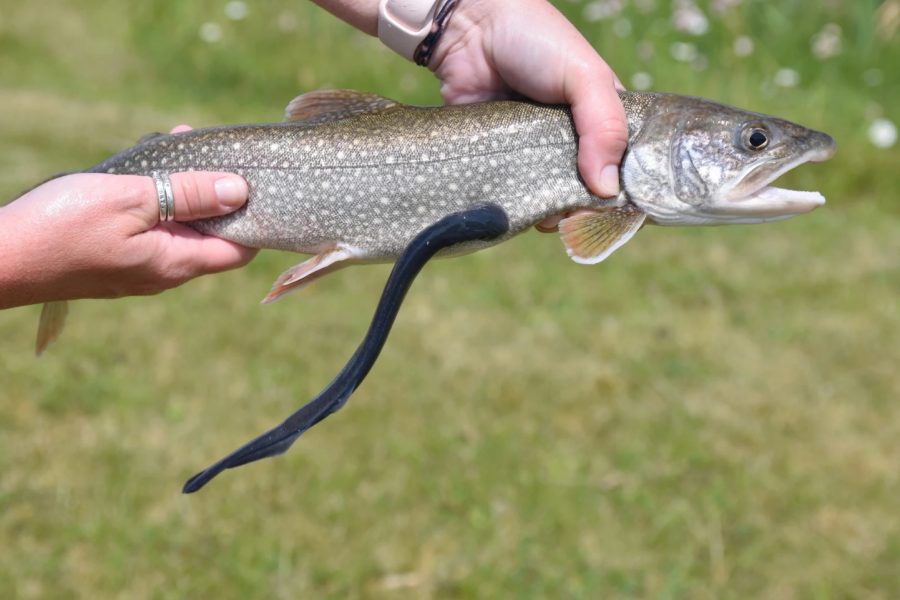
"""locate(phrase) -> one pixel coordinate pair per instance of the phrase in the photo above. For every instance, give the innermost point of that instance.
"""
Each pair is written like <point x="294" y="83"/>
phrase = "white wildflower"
<point x="828" y="42"/>
<point x="600" y="10"/>
<point x="641" y="81"/>
<point x="883" y="133"/>
<point x="236" y="10"/>
<point x="743" y="46"/>
<point x="683" y="51"/>
<point x="688" y="18"/>
<point x="287" y="22"/>
<point x="787" y="78"/>
<point x="723" y="6"/>
<point x="622" y="27"/>
<point x="210" y="32"/>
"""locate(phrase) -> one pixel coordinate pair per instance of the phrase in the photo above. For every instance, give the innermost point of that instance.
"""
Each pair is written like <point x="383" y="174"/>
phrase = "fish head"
<point x="695" y="162"/>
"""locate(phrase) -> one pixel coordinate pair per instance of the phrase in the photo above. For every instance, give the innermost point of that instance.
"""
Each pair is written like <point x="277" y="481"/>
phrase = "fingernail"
<point x="231" y="191"/>
<point x="609" y="181"/>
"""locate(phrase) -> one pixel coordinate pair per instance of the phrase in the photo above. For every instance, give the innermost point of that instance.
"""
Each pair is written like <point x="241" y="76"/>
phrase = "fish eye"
<point x="756" y="138"/>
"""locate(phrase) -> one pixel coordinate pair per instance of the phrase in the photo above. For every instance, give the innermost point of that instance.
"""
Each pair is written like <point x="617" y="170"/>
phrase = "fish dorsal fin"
<point x="331" y="105"/>
<point x="593" y="234"/>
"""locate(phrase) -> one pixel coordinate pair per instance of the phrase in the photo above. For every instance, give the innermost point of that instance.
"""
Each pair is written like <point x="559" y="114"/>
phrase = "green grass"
<point x="713" y="413"/>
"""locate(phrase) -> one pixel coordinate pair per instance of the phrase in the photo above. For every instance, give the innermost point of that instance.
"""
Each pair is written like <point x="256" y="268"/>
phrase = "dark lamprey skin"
<point x="480" y="223"/>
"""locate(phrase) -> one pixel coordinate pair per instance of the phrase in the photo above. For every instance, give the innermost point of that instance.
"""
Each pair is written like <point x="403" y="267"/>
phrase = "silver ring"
<point x="164" y="196"/>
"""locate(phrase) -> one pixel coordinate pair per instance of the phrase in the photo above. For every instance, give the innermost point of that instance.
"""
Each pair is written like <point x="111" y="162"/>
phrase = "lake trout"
<point x="352" y="177"/>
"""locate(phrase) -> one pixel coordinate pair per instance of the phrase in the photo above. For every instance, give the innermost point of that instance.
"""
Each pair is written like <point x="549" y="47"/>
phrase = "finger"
<point x="181" y="128"/>
<point x="212" y="255"/>
<point x="199" y="195"/>
<point x="187" y="253"/>
<point x="602" y="128"/>
<point x="550" y="224"/>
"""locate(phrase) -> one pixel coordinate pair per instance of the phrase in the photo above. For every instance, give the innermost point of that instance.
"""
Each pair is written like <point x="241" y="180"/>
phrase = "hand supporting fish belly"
<point x="354" y="178"/>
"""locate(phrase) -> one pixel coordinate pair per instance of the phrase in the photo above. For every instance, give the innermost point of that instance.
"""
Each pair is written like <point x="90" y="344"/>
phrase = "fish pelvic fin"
<point x="591" y="235"/>
<point x="331" y="105"/>
<point x="301" y="275"/>
<point x="52" y="321"/>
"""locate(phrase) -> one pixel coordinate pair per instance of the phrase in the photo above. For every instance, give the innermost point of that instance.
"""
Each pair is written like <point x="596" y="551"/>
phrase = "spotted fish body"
<point x="352" y="177"/>
<point x="371" y="181"/>
<point x="356" y="176"/>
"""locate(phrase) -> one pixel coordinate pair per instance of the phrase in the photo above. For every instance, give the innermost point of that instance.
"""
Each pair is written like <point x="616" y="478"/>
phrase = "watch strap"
<point x="404" y="24"/>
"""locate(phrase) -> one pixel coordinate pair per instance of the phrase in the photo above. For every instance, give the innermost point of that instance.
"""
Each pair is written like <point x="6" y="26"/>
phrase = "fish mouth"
<point x="754" y="197"/>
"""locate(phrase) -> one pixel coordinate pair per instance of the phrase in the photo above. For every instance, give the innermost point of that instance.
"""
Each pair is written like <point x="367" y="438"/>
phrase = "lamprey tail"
<point x="482" y="223"/>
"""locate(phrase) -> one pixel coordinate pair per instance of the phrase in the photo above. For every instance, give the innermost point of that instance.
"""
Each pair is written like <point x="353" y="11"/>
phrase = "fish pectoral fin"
<point x="310" y="270"/>
<point x="591" y="235"/>
<point x="331" y="105"/>
<point x="53" y="319"/>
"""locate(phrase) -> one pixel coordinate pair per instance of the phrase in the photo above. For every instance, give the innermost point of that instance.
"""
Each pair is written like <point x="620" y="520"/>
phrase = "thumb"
<point x="198" y="195"/>
<point x="602" y="128"/>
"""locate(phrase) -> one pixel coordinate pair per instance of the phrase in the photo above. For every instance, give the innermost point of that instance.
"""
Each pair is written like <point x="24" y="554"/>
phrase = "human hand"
<point x="98" y="236"/>
<point x="497" y="48"/>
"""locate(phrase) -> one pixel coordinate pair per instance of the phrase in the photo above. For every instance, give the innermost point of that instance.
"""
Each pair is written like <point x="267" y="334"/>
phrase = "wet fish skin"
<point x="372" y="180"/>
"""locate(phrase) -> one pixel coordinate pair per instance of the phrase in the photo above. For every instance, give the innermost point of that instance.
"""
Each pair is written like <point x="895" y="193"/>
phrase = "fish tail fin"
<point x="52" y="321"/>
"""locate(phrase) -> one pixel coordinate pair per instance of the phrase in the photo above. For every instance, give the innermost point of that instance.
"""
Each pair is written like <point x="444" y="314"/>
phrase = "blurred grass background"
<point x="713" y="413"/>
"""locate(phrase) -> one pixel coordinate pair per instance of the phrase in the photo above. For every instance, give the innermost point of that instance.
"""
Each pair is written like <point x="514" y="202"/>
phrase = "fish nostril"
<point x="825" y="153"/>
<point x="824" y="145"/>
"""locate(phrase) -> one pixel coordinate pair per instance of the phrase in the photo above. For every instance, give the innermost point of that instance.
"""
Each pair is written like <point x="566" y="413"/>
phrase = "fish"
<point x="352" y="178"/>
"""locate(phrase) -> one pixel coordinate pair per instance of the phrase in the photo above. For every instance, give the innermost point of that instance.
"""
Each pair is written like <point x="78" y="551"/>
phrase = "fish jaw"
<point x="754" y="200"/>
<point x="772" y="203"/>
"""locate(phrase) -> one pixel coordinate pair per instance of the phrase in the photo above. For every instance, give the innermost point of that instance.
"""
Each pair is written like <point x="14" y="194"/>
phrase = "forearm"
<point x="362" y="14"/>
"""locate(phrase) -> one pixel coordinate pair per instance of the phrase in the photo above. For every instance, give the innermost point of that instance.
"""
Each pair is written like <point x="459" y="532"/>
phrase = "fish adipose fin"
<point x="331" y="105"/>
<point x="53" y="319"/>
<point x="482" y="223"/>
<point x="299" y="276"/>
<point x="151" y="136"/>
<point x="593" y="234"/>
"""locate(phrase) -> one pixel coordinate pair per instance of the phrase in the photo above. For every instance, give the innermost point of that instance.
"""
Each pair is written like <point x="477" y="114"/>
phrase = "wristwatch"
<point x="404" y="24"/>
